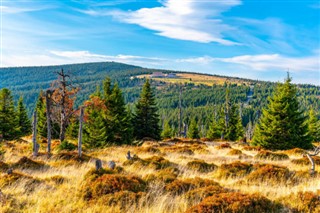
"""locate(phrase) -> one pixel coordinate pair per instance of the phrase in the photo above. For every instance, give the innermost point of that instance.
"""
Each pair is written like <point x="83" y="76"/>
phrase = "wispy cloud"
<point x="191" y="20"/>
<point x="14" y="10"/>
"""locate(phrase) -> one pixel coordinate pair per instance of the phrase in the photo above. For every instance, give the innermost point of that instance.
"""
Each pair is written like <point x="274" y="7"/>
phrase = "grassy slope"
<point x="39" y="188"/>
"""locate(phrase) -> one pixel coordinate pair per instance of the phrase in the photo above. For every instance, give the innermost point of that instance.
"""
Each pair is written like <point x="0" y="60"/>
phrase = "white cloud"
<point x="191" y="20"/>
<point x="15" y="10"/>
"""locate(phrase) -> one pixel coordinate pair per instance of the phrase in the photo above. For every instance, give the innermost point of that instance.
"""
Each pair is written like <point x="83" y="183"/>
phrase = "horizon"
<point x="244" y="39"/>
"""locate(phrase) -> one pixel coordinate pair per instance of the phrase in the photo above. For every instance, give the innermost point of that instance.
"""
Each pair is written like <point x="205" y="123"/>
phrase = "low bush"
<point x="201" y="193"/>
<point x="235" y="169"/>
<point x="56" y="179"/>
<point x="302" y="202"/>
<point x="267" y="155"/>
<point x="154" y="162"/>
<point x="182" y="186"/>
<point x="3" y="166"/>
<point x="167" y="175"/>
<point x="235" y="202"/>
<point x="109" y="184"/>
<point x="234" y="152"/>
<point x="65" y="145"/>
<point x="224" y="146"/>
<point x="295" y="151"/>
<point x="305" y="161"/>
<point x="148" y="149"/>
<point x="201" y="166"/>
<point x="270" y="174"/>
<point x="252" y="148"/>
<point x="27" y="163"/>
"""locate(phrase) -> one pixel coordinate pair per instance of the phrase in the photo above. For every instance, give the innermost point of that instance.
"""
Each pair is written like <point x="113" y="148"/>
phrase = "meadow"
<point x="177" y="175"/>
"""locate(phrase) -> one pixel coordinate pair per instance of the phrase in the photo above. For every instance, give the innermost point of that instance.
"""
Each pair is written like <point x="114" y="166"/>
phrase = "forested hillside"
<point x="199" y="101"/>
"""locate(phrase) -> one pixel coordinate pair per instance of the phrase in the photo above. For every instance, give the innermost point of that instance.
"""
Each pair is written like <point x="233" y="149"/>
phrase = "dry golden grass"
<point x="165" y="177"/>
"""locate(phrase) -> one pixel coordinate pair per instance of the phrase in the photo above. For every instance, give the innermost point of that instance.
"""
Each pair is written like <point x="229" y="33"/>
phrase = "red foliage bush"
<point x="201" y="166"/>
<point x="108" y="183"/>
<point x="224" y="146"/>
<point x="267" y="155"/>
<point x="234" y="202"/>
<point x="235" y="169"/>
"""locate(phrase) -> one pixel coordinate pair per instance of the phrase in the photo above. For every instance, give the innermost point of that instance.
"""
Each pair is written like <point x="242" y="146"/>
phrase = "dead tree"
<point x="63" y="99"/>
<point x="309" y="156"/>
<point x="34" y="135"/>
<point x="180" y="111"/>
<point x="80" y="132"/>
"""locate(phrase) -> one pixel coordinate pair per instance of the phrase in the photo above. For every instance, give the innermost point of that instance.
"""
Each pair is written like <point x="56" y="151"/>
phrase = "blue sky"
<point x="256" y="39"/>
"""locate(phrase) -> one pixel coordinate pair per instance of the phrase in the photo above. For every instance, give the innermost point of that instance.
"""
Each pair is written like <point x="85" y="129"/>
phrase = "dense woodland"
<point x="202" y="106"/>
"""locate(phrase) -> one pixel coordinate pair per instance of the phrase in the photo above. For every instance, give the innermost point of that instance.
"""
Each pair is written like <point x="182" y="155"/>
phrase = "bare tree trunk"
<point x="48" y="121"/>
<point x="312" y="171"/>
<point x="80" y="132"/>
<point x="34" y="135"/>
<point x="180" y="111"/>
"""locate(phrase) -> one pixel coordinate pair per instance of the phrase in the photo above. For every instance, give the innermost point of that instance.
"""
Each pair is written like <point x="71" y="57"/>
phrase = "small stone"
<point x="111" y="165"/>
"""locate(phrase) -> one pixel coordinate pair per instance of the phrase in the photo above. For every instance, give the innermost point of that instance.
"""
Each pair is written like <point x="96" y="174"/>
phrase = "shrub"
<point x="9" y="179"/>
<point x="148" y="149"/>
<point x="235" y="202"/>
<point x="3" y="166"/>
<point x="111" y="183"/>
<point x="234" y="169"/>
<point x="185" y="150"/>
<point x="234" y="152"/>
<point x="295" y="151"/>
<point x="167" y="175"/>
<point x="302" y="202"/>
<point x="270" y="174"/>
<point x="27" y="163"/>
<point x="252" y="148"/>
<point x="266" y="155"/>
<point x="56" y="179"/>
<point x="154" y="162"/>
<point x="70" y="157"/>
<point x="305" y="161"/>
<point x="201" y="166"/>
<point x="65" y="145"/>
<point x="201" y="193"/>
<point x="125" y="200"/>
<point x="224" y="146"/>
<point x="182" y="186"/>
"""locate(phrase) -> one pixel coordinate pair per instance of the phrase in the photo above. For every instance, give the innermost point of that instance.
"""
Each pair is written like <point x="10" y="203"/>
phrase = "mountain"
<point x="202" y="94"/>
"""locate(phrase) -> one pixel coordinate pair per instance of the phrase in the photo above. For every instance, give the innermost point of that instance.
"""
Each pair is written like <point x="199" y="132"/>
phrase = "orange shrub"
<point x="224" y="146"/>
<point x="124" y="200"/>
<point x="3" y="166"/>
<point x="182" y="186"/>
<point x="303" y="202"/>
<point x="235" y="169"/>
<point x="167" y="175"/>
<point x="201" y="193"/>
<point x="154" y="162"/>
<point x="295" y="151"/>
<point x="235" y="202"/>
<point x="252" y="148"/>
<point x="270" y="174"/>
<point x="305" y="161"/>
<point x="27" y="163"/>
<point x="108" y="184"/>
<point x="267" y="155"/>
<point x="234" y="152"/>
<point x="201" y="166"/>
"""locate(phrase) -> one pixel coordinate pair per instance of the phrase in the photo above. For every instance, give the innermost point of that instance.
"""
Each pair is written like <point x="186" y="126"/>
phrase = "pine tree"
<point x="23" y="120"/>
<point x="193" y="131"/>
<point x="73" y="128"/>
<point x="214" y="130"/>
<point x="283" y="125"/>
<point x="41" y="116"/>
<point x="146" y="119"/>
<point x="167" y="130"/>
<point x="235" y="128"/>
<point x="94" y="133"/>
<point x="314" y="126"/>
<point x="8" y="120"/>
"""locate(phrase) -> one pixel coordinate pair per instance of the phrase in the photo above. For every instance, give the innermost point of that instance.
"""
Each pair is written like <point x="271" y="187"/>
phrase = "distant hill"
<point x="202" y="93"/>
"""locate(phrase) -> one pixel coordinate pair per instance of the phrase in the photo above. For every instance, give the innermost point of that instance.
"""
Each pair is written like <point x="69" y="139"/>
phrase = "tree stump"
<point x="111" y="164"/>
<point x="129" y="156"/>
<point x="98" y="164"/>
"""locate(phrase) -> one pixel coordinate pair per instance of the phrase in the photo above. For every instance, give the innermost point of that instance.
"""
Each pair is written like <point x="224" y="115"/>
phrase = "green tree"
<point x="167" y="130"/>
<point x="282" y="124"/>
<point x="24" y="122"/>
<point x="94" y="133"/>
<point x="234" y="130"/>
<point x="146" y="119"/>
<point x="314" y="126"/>
<point x="41" y="116"/>
<point x="214" y="130"/>
<point x="8" y="120"/>
<point x="193" y="131"/>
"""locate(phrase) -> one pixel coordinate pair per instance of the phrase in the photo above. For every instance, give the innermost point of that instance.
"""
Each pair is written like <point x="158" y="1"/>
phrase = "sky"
<point x="255" y="39"/>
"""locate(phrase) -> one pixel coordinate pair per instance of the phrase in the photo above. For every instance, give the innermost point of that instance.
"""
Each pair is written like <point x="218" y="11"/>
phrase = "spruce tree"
<point x="314" y="126"/>
<point x="41" y="116"/>
<point x="235" y="129"/>
<point x="167" y="130"/>
<point x="146" y="119"/>
<point x="282" y="124"/>
<point x="193" y="131"/>
<point x="8" y="120"/>
<point x="23" y="120"/>
<point x="214" y="130"/>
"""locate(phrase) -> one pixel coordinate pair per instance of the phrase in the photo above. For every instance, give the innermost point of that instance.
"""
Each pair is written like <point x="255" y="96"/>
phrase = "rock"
<point x="111" y="164"/>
